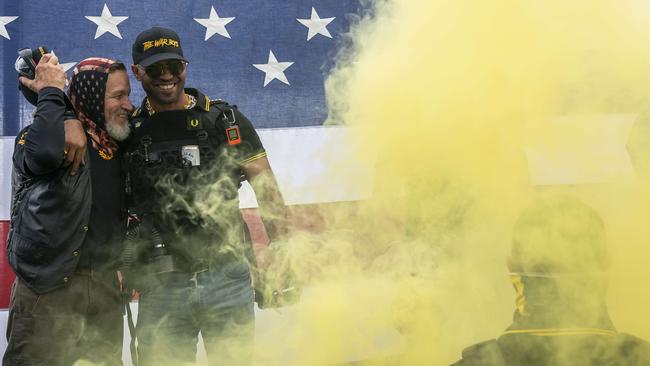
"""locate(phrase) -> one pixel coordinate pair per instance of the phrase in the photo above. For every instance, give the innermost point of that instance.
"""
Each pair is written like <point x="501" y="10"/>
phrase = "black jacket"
<point x="50" y="208"/>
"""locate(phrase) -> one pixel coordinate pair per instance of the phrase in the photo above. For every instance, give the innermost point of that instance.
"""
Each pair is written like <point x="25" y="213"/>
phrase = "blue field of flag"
<point x="268" y="57"/>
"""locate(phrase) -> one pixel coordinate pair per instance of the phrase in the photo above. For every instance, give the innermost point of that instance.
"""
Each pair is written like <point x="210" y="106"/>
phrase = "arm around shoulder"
<point x="44" y="143"/>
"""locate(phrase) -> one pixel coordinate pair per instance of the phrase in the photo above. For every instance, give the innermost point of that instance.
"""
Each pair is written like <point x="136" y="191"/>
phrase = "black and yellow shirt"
<point x="196" y="196"/>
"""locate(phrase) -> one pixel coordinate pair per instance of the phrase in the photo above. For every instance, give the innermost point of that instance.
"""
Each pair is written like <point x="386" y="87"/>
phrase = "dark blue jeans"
<point x="175" y="307"/>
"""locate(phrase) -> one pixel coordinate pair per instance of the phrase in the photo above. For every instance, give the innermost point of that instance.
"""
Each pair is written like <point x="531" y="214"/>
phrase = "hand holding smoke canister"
<point x="276" y="284"/>
<point x="278" y="298"/>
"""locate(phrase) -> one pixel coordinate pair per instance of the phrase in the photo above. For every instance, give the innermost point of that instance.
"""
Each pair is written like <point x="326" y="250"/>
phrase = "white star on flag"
<point x="214" y="24"/>
<point x="582" y="150"/>
<point x="4" y="21"/>
<point x="274" y="69"/>
<point x="316" y="25"/>
<point x="107" y="23"/>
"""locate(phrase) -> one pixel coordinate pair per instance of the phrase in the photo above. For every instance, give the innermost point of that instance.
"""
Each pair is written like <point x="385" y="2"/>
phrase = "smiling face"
<point x="164" y="86"/>
<point x="117" y="105"/>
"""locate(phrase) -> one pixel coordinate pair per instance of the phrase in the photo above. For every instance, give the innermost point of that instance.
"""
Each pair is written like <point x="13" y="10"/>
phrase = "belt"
<point x="86" y="271"/>
<point x="198" y="265"/>
<point x="90" y="272"/>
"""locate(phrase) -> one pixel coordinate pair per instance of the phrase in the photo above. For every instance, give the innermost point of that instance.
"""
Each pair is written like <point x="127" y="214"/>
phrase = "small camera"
<point x="145" y="252"/>
<point x="26" y="66"/>
<point x="158" y="258"/>
<point x="28" y="59"/>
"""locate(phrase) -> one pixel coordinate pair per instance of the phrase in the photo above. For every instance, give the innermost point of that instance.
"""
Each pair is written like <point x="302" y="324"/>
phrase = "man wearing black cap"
<point x="186" y="158"/>
<point x="558" y="267"/>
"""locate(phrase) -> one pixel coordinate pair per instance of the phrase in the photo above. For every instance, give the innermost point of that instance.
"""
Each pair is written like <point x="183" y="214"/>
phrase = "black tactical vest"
<point x="184" y="176"/>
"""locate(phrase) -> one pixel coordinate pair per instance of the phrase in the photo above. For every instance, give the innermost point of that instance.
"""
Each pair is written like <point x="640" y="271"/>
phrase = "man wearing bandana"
<point x="558" y="267"/>
<point x="67" y="220"/>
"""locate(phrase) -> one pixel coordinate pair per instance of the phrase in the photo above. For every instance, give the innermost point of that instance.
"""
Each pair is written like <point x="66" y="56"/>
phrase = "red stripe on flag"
<point x="301" y="218"/>
<point x="6" y="273"/>
<point x="256" y="229"/>
<point x="310" y="218"/>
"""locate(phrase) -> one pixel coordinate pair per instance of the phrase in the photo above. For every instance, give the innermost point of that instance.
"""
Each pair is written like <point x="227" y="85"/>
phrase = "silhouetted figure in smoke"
<point x="559" y="269"/>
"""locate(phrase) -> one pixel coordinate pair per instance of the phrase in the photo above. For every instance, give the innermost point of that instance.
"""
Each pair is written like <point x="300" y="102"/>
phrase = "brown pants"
<point x="82" y="321"/>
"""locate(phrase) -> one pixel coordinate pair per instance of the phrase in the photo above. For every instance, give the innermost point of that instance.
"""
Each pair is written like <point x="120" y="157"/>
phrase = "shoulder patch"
<point x="217" y="101"/>
<point x="21" y="140"/>
<point x="135" y="113"/>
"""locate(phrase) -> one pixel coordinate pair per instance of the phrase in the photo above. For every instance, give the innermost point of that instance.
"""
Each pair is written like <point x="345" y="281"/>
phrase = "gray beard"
<point x="118" y="132"/>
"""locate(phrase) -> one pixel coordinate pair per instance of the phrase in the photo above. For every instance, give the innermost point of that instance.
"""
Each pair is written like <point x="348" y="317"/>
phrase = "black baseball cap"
<point x="156" y="44"/>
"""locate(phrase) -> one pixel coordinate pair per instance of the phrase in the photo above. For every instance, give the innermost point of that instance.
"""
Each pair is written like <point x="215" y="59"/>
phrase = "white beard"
<point x="118" y="131"/>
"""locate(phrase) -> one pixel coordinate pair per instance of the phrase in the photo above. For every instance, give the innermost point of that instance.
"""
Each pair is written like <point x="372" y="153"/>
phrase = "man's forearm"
<point x="272" y="209"/>
<point x="45" y="141"/>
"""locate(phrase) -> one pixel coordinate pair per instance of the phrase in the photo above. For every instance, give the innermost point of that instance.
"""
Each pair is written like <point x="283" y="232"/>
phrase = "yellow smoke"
<point x="467" y="110"/>
<point x="449" y="99"/>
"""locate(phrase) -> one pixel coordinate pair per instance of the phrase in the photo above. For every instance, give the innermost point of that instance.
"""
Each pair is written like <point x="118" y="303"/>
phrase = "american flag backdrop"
<point x="270" y="58"/>
<point x="231" y="45"/>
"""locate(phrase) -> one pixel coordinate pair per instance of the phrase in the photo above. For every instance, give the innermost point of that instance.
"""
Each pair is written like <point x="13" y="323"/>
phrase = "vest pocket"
<point x="30" y="251"/>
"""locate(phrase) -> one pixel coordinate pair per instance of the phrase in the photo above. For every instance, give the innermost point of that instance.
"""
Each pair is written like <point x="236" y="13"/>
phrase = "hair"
<point x="116" y="66"/>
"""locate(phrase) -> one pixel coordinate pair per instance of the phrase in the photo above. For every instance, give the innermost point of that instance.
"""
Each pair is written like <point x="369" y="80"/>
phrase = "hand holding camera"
<point x="39" y="68"/>
<point x="48" y="73"/>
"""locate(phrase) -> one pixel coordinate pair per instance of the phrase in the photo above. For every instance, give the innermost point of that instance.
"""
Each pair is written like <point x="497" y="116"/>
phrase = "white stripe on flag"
<point x="583" y="150"/>
<point x="311" y="165"/>
<point x="6" y="149"/>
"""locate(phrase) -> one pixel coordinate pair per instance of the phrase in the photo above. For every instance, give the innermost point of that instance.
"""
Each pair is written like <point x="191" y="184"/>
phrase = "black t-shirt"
<point x="107" y="222"/>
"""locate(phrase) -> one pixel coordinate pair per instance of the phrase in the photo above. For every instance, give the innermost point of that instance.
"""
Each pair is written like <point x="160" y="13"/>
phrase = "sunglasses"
<point x="175" y="67"/>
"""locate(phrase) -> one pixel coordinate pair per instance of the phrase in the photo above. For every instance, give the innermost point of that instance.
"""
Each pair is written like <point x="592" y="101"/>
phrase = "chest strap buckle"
<point x="202" y="135"/>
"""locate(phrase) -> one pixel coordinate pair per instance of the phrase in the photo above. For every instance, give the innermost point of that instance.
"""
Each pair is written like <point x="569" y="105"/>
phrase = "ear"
<point x="136" y="72"/>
